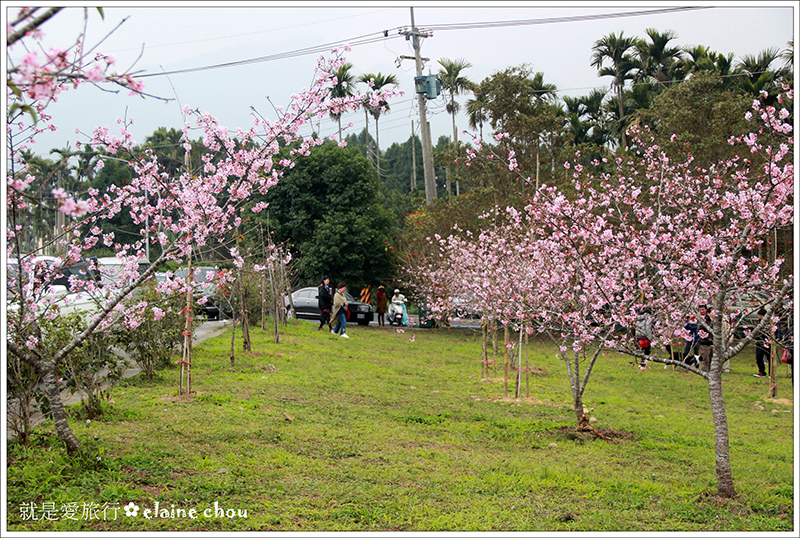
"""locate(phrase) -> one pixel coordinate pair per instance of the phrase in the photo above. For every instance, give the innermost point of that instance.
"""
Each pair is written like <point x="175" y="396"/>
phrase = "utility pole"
<point x="427" y="147"/>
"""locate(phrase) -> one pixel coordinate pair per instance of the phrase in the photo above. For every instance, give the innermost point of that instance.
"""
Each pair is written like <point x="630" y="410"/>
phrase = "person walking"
<point x="761" y="340"/>
<point x="339" y="310"/>
<point x="706" y="341"/>
<point x="644" y="334"/>
<point x="325" y="303"/>
<point x="691" y="352"/>
<point x="381" y="303"/>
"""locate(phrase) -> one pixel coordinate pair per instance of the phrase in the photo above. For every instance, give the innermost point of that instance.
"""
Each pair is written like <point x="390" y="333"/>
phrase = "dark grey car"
<point x="306" y="304"/>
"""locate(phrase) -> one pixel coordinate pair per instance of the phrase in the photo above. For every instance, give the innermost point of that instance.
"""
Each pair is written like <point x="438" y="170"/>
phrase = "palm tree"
<point x="542" y="90"/>
<point x="378" y="81"/>
<point x="454" y="83"/>
<point x="615" y="49"/>
<point x="476" y="108"/>
<point x="341" y="90"/>
<point x="367" y="79"/>
<point x="168" y="146"/>
<point x="657" y="61"/>
<point x="756" y="73"/>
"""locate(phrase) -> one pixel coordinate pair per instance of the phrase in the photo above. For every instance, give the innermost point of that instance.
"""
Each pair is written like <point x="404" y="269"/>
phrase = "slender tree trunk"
<point x="272" y="279"/>
<point x="245" y="321"/>
<point x="519" y="366"/>
<point x="378" y="148"/>
<point x="721" y="448"/>
<point x="485" y="350"/>
<point x="366" y="129"/>
<point x="527" y="367"/>
<point x="233" y="341"/>
<point x="624" y="137"/>
<point x="505" y="358"/>
<point x="57" y="411"/>
<point x="264" y="303"/>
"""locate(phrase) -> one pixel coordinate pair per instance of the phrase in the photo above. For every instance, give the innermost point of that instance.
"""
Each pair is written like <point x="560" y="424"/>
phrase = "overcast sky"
<point x="156" y="39"/>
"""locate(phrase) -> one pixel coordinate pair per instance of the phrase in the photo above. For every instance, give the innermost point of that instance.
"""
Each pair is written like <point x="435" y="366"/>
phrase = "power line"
<point x="387" y="34"/>
<point x="555" y="20"/>
<point x="363" y="40"/>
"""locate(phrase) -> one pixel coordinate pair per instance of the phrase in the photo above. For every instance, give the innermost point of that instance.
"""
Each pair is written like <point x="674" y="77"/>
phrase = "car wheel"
<point x="290" y="313"/>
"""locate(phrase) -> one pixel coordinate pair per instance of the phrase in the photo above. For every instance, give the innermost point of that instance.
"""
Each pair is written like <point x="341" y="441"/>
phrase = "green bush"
<point x="153" y="342"/>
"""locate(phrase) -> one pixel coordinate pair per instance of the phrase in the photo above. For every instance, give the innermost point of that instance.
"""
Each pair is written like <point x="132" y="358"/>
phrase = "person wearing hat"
<point x="381" y="303"/>
<point x="325" y="303"/>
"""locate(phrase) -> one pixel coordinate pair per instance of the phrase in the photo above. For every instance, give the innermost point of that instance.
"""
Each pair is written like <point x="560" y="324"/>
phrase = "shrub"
<point x="154" y="341"/>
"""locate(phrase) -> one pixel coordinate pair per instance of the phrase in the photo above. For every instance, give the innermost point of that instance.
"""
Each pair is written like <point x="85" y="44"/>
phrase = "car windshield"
<point x="350" y="298"/>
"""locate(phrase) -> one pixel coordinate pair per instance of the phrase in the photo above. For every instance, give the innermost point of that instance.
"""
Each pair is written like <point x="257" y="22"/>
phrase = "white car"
<point x="110" y="267"/>
<point x="57" y="295"/>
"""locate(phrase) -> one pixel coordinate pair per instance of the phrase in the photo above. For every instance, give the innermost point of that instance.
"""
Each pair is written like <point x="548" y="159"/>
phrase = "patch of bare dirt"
<point x="782" y="401"/>
<point x="590" y="433"/>
<point x="527" y="400"/>
<point x="180" y="398"/>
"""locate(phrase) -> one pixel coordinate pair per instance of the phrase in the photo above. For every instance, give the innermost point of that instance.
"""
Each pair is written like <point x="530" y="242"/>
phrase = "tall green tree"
<point x="657" y="61"/>
<point x="453" y="83"/>
<point x="367" y="79"/>
<point x="330" y="209"/>
<point x="476" y="108"/>
<point x="756" y="74"/>
<point x="618" y="51"/>
<point x="696" y="118"/>
<point x="378" y="81"/>
<point x="344" y="87"/>
<point x="520" y="103"/>
<point x="168" y="147"/>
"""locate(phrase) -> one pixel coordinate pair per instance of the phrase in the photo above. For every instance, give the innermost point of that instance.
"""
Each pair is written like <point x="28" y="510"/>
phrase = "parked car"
<point x="62" y="294"/>
<point x="109" y="268"/>
<point x="306" y="305"/>
<point x="215" y="305"/>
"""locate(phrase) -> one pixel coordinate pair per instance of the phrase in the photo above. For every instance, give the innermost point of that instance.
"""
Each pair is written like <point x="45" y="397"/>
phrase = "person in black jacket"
<point x="761" y="339"/>
<point x="325" y="303"/>
<point x="706" y="341"/>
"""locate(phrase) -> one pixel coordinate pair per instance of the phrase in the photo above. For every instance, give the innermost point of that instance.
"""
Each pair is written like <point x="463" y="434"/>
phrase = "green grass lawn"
<point x="381" y="433"/>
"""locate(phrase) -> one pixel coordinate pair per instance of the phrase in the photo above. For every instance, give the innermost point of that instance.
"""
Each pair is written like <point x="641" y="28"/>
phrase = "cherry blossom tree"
<point x="655" y="233"/>
<point x="180" y="212"/>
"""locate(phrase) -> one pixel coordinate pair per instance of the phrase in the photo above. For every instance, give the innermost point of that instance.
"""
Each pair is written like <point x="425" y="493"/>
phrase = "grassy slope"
<point x="381" y="433"/>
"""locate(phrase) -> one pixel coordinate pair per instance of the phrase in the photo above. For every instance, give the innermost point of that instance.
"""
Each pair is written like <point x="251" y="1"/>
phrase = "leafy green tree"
<point x="168" y="147"/>
<point x="617" y="50"/>
<point x="520" y="103"/>
<point x="757" y="75"/>
<point x="696" y="117"/>
<point x="330" y="209"/>
<point x="125" y="231"/>
<point x="404" y="174"/>
<point x="657" y="61"/>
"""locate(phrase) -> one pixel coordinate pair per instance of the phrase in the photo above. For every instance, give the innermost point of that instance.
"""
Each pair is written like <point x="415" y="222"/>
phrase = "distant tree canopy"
<point x="329" y="208"/>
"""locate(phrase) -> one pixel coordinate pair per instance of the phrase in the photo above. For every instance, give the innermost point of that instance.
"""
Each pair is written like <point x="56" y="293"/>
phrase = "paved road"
<point x="473" y="324"/>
